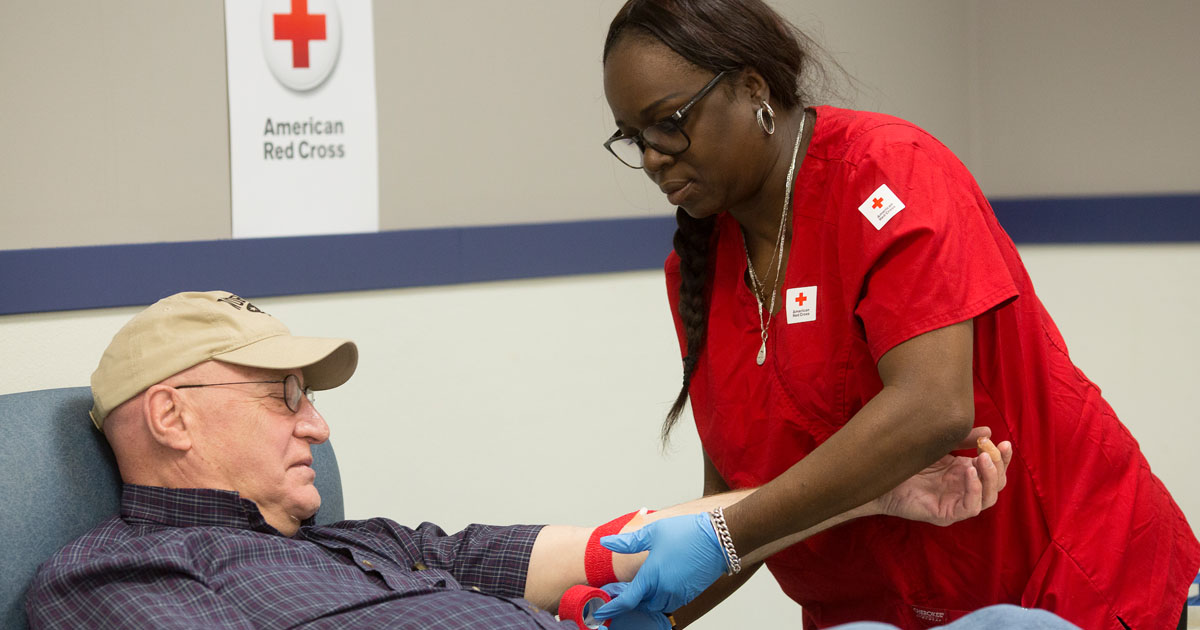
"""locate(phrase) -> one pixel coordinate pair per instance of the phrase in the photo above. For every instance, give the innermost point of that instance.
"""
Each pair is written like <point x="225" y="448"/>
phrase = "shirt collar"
<point x="192" y="507"/>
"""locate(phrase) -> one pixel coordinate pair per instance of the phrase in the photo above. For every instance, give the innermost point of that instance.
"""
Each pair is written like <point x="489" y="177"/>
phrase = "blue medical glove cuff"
<point x="685" y="558"/>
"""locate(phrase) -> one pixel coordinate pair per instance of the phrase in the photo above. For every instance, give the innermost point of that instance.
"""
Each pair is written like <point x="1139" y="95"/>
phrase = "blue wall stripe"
<point x="1144" y="219"/>
<point x="55" y="279"/>
<point x="36" y="280"/>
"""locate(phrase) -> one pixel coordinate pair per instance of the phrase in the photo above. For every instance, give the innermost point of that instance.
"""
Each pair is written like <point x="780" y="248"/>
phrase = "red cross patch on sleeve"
<point x="881" y="206"/>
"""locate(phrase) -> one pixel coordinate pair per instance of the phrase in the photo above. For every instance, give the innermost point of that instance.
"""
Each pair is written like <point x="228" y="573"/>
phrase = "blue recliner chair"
<point x="59" y="479"/>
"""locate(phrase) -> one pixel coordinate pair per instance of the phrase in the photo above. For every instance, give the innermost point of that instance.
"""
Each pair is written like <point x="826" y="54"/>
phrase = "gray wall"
<point x="1085" y="97"/>
<point x="115" y="127"/>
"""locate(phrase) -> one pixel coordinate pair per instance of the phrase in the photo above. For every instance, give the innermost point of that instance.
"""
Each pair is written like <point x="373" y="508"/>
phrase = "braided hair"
<point x="692" y="240"/>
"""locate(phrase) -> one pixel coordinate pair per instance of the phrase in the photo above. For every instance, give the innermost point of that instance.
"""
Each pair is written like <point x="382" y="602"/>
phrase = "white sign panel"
<point x="302" y="131"/>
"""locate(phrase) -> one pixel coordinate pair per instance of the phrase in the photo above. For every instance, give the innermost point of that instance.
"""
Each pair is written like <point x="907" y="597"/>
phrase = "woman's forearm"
<point x="626" y="565"/>
<point x="556" y="562"/>
<point x="923" y="411"/>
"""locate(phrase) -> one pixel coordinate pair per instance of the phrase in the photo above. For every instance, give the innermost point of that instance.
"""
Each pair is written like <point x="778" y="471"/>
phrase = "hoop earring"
<point x="766" y="120"/>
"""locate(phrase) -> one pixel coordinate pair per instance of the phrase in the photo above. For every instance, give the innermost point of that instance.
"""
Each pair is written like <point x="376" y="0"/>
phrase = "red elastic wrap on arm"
<point x="572" y="603"/>
<point x="597" y="561"/>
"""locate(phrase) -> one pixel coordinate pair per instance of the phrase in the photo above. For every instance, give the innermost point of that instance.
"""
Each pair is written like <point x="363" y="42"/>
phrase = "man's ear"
<point x="162" y="410"/>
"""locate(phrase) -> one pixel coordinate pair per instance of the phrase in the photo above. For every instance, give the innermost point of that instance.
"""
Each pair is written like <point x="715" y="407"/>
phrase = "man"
<point x="202" y="397"/>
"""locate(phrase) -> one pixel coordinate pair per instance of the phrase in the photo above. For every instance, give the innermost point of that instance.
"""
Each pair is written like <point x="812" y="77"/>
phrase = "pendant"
<point x="762" y="353"/>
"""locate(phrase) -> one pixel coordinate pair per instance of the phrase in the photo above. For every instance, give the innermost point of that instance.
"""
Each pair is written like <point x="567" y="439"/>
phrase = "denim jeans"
<point x="999" y="617"/>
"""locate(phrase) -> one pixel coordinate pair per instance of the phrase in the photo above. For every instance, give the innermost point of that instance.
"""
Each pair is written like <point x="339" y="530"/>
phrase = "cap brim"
<point x="327" y="363"/>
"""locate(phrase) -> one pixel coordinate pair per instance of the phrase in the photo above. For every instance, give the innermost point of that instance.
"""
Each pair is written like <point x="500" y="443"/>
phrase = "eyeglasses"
<point x="665" y="136"/>
<point x="292" y="392"/>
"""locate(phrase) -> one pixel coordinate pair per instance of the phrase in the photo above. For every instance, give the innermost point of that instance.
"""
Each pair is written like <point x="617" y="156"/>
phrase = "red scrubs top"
<point x="892" y="238"/>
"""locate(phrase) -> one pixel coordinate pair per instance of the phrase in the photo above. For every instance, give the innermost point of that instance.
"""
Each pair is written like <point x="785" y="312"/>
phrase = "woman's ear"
<point x="754" y="86"/>
<point x="163" y="413"/>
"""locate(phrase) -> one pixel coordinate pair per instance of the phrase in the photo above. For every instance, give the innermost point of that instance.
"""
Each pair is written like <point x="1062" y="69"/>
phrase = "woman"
<point x="848" y="308"/>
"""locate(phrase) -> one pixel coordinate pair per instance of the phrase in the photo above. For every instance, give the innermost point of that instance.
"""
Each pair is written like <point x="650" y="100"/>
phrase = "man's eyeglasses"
<point x="665" y="136"/>
<point x="292" y="392"/>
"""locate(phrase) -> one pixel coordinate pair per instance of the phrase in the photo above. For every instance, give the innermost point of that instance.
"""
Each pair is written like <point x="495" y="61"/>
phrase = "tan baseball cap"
<point x="187" y="329"/>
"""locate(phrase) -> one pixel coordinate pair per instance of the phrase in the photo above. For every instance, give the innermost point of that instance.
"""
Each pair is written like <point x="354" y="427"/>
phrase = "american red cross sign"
<point x="300" y="27"/>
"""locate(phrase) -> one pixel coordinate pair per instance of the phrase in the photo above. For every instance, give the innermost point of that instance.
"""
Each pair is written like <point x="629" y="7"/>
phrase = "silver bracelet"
<point x="733" y="564"/>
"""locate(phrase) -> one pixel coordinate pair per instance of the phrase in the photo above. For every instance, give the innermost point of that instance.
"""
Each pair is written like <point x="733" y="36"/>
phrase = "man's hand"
<point x="951" y="489"/>
<point x="685" y="558"/>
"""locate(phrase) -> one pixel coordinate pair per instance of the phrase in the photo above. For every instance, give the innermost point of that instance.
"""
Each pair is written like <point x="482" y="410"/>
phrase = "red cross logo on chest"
<point x="877" y="202"/>
<point x="300" y="27"/>
<point x="800" y="299"/>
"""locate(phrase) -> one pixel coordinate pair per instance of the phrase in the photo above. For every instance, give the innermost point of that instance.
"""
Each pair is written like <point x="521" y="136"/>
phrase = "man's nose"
<point x="310" y="424"/>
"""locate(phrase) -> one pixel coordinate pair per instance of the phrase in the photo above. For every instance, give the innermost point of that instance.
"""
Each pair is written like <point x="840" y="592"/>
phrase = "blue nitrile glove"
<point x="685" y="558"/>
<point x="635" y="619"/>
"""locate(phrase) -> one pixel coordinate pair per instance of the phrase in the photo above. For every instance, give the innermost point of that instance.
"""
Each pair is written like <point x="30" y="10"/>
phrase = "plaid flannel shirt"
<point x="199" y="558"/>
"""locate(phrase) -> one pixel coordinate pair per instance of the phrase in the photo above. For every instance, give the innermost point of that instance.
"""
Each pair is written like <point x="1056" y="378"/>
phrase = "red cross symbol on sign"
<point x="875" y="203"/>
<point x="800" y="299"/>
<point x="300" y="27"/>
